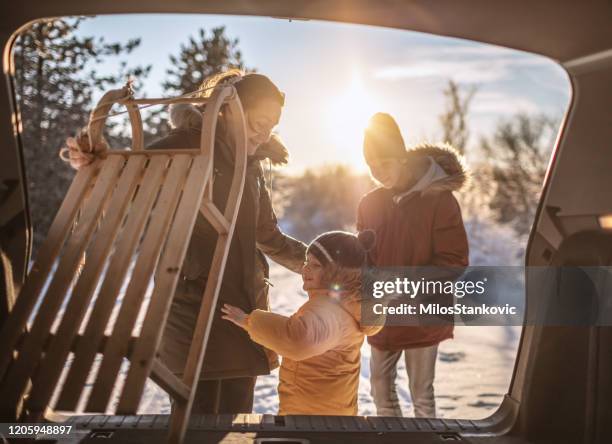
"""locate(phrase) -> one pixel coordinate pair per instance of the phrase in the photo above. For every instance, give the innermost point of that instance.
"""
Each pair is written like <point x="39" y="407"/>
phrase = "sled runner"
<point x="130" y="213"/>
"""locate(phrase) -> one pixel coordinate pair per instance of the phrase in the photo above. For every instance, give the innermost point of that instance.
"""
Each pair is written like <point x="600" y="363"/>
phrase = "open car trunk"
<point x="561" y="391"/>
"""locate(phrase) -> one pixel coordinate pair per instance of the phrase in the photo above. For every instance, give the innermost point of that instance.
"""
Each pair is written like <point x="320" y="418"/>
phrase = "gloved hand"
<point x="78" y="153"/>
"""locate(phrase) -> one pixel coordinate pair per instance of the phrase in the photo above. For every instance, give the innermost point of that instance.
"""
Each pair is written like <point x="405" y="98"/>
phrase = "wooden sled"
<point x="131" y="214"/>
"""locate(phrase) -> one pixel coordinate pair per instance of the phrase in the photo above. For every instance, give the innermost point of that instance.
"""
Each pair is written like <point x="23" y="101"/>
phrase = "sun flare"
<point x="347" y="114"/>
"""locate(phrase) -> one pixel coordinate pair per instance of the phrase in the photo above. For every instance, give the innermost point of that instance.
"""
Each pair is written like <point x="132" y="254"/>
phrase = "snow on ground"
<point x="473" y="370"/>
<point x="472" y="375"/>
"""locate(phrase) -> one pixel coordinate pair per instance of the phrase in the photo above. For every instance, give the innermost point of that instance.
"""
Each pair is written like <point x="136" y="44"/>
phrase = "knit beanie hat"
<point x="253" y="87"/>
<point x="383" y="139"/>
<point x="342" y="248"/>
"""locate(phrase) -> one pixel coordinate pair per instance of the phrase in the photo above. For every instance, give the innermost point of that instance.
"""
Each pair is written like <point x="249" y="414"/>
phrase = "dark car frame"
<point x="561" y="389"/>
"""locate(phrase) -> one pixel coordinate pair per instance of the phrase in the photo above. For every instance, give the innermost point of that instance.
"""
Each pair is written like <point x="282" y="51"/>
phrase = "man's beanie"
<point x="383" y="139"/>
<point x="342" y="248"/>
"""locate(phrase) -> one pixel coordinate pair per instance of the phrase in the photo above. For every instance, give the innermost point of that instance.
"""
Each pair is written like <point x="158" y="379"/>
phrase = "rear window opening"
<point x="501" y="109"/>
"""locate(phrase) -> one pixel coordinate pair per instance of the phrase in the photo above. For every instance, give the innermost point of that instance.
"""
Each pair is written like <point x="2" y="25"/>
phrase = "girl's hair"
<point x="343" y="255"/>
<point x="338" y="278"/>
<point x="251" y="87"/>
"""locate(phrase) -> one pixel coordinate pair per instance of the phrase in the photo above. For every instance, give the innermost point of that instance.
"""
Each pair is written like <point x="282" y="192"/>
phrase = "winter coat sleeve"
<point x="450" y="245"/>
<point x="305" y="334"/>
<point x="275" y="244"/>
<point x="359" y="224"/>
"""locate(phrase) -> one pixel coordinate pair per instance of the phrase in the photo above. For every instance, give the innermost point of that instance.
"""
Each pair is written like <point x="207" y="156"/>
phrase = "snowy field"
<point x="473" y="371"/>
<point x="472" y="374"/>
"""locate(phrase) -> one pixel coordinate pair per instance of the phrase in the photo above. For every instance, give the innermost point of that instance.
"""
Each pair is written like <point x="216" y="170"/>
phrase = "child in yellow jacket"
<point x="321" y="342"/>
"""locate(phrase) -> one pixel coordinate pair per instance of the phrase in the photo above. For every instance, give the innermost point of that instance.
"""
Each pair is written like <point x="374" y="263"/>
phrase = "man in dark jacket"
<point x="418" y="223"/>
<point x="232" y="361"/>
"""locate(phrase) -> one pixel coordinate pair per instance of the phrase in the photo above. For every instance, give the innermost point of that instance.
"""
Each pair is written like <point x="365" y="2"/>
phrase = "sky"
<point x="335" y="76"/>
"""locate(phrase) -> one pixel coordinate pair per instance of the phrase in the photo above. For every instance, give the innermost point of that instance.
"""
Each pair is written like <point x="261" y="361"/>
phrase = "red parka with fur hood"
<point x="421" y="226"/>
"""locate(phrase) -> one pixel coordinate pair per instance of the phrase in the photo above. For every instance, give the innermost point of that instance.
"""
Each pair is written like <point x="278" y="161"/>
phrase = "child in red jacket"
<point x="418" y="223"/>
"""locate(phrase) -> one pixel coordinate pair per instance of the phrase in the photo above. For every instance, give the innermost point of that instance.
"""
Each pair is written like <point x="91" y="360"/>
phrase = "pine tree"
<point x="54" y="86"/>
<point x="202" y="56"/>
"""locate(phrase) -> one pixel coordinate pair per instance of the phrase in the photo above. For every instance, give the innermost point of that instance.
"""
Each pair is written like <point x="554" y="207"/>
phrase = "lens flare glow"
<point x="347" y="115"/>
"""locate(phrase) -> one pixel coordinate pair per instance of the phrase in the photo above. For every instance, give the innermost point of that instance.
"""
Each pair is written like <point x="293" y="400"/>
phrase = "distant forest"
<point x="55" y="82"/>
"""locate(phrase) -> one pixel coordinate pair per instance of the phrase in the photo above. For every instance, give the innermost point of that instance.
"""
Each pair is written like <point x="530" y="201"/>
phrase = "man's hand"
<point x="235" y="315"/>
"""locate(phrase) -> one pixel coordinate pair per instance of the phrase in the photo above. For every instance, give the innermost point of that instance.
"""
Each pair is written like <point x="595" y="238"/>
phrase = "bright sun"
<point x="347" y="115"/>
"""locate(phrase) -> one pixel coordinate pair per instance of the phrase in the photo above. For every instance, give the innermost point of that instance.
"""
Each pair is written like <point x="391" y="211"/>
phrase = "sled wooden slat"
<point x="168" y="381"/>
<point x="174" y="100"/>
<point x="15" y="324"/>
<point x="153" y="153"/>
<point x="53" y="362"/>
<point x="17" y="377"/>
<point x="143" y="272"/>
<point x="166" y="281"/>
<point x="78" y="339"/>
<point x="182" y="409"/>
<point x="93" y="335"/>
<point x="215" y="217"/>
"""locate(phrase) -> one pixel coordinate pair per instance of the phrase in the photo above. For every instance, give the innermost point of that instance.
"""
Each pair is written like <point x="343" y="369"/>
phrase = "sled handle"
<point x="100" y="113"/>
<point x="98" y="116"/>
<point x="125" y="96"/>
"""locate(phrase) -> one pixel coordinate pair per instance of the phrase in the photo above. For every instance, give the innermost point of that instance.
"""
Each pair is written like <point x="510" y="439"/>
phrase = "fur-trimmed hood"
<point x="443" y="169"/>
<point x="184" y="116"/>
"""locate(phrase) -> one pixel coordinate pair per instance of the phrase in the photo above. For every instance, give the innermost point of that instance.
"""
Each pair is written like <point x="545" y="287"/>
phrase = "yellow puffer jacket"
<point x="320" y="345"/>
